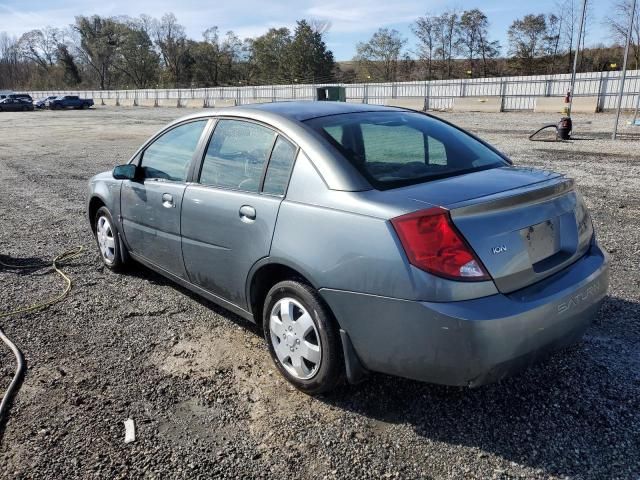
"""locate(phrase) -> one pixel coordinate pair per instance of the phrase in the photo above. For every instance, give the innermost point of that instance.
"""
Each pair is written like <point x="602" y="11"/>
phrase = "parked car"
<point x="21" y="96"/>
<point x="362" y="238"/>
<point x="69" y="101"/>
<point x="42" y="102"/>
<point x="15" y="105"/>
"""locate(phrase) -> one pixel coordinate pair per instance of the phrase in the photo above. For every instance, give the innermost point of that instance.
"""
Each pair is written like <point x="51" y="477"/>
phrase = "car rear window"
<point x="393" y="149"/>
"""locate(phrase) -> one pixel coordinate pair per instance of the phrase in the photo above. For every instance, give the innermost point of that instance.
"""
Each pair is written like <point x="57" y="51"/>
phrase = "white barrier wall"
<point x="515" y="93"/>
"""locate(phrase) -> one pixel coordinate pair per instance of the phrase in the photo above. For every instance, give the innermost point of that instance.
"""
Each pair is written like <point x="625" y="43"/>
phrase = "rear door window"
<point x="236" y="155"/>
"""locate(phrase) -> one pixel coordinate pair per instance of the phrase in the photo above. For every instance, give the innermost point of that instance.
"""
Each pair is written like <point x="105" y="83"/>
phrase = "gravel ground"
<point x="198" y="381"/>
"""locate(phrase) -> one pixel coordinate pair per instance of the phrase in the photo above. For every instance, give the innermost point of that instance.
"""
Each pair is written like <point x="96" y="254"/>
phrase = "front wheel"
<point x="302" y="337"/>
<point x="108" y="240"/>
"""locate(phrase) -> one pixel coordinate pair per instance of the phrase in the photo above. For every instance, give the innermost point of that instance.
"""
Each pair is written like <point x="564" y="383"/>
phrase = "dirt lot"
<point x="198" y="381"/>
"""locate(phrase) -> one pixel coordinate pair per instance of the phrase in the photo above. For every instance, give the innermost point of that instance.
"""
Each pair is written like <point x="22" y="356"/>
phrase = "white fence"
<point x="517" y="93"/>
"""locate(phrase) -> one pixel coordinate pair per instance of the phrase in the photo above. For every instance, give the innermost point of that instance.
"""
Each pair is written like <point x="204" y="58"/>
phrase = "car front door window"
<point x="169" y="157"/>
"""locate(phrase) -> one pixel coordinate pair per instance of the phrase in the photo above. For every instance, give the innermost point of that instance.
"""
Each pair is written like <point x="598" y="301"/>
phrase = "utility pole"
<point x="575" y="56"/>
<point x="624" y="70"/>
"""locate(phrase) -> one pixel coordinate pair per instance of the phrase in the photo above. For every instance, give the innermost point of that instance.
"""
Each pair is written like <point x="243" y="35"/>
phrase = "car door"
<point x="150" y="207"/>
<point x="229" y="214"/>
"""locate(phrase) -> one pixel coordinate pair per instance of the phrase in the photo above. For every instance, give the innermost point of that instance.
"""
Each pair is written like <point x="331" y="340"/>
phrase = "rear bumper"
<point x="478" y="341"/>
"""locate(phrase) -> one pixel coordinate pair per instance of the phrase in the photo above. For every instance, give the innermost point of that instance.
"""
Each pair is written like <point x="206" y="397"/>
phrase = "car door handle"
<point x="167" y="201"/>
<point x="247" y="212"/>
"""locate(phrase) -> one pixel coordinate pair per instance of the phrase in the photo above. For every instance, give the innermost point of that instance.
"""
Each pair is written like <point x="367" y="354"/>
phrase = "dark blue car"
<point x="69" y="101"/>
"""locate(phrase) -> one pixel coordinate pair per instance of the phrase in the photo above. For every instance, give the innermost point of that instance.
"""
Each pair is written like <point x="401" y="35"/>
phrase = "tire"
<point x="301" y="342"/>
<point x="108" y="240"/>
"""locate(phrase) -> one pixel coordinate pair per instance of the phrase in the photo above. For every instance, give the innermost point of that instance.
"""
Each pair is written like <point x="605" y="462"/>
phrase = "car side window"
<point x="437" y="152"/>
<point x="279" y="169"/>
<point x="169" y="156"/>
<point x="236" y="155"/>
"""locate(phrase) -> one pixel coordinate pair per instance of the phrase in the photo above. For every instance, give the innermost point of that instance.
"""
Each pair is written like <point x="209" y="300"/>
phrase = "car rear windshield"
<point x="393" y="149"/>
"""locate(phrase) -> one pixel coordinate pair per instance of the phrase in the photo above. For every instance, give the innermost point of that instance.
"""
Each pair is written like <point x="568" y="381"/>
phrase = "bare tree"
<point x="569" y="18"/>
<point x="473" y="38"/>
<point x="379" y="56"/>
<point x="40" y="46"/>
<point x="171" y="39"/>
<point x="425" y="29"/>
<point x="96" y="43"/>
<point x="446" y="28"/>
<point x="9" y="61"/>
<point x="489" y="49"/>
<point x="319" y="26"/>
<point x="552" y="39"/>
<point x="618" y="24"/>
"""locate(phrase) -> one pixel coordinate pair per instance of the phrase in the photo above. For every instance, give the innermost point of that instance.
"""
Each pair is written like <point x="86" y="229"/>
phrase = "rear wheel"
<point x="108" y="240"/>
<point x="302" y="337"/>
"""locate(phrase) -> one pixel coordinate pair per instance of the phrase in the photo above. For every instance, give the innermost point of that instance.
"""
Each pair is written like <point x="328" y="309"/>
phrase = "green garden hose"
<point x="20" y="363"/>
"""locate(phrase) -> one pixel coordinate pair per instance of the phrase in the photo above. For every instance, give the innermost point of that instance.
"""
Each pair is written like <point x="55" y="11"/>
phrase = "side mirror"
<point x="126" y="172"/>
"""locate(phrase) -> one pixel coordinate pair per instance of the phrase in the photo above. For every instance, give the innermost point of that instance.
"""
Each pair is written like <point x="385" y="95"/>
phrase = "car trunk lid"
<point x="523" y="224"/>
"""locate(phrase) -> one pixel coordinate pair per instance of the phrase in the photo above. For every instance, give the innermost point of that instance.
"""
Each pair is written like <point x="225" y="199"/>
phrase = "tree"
<point x="308" y="57"/>
<point x="379" y="56"/>
<point x="269" y="52"/>
<point x="136" y="59"/>
<point x="216" y="58"/>
<point x="171" y="40"/>
<point x="9" y="61"/>
<point x="40" y="46"/>
<point x="425" y="29"/>
<point x="619" y="26"/>
<point x="552" y="39"/>
<point x="246" y="68"/>
<point x="473" y="28"/>
<point x="489" y="51"/>
<point x="97" y="45"/>
<point x="446" y="28"/>
<point x="70" y="72"/>
<point x="526" y="41"/>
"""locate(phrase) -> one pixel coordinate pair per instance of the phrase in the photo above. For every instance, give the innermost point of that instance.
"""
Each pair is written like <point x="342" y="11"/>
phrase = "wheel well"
<point x="265" y="278"/>
<point x="94" y="206"/>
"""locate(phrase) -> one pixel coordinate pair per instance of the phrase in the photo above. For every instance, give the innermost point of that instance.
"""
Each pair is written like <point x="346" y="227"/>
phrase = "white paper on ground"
<point x="129" y="431"/>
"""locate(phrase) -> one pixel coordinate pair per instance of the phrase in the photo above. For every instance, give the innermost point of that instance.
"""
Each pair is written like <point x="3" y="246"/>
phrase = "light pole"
<point x="575" y="56"/>
<point x="624" y="70"/>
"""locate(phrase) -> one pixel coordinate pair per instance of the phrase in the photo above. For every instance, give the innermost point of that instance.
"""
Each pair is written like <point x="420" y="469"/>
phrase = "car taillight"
<point x="432" y="243"/>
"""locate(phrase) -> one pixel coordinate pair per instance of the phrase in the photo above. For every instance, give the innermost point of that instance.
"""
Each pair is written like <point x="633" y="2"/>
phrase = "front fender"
<point x="107" y="189"/>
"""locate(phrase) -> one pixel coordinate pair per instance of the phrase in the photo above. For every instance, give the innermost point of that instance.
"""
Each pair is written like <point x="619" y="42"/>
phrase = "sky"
<point x="351" y="20"/>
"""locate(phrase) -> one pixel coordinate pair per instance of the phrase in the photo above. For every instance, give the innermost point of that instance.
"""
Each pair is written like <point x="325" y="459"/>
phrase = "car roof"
<point x="288" y="118"/>
<point x="306" y="110"/>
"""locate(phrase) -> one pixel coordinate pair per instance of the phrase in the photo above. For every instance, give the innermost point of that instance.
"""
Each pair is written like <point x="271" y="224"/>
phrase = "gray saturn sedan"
<point x="362" y="238"/>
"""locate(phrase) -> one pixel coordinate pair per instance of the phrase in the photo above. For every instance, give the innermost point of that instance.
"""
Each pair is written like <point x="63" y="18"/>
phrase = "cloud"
<point x="362" y="15"/>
